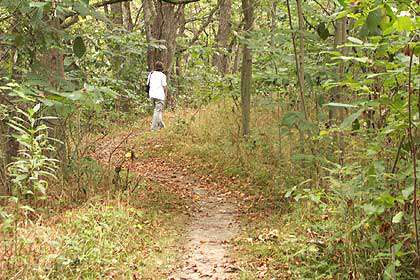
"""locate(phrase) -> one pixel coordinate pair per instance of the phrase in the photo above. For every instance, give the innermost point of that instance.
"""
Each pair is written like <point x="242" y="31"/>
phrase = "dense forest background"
<point x="312" y="105"/>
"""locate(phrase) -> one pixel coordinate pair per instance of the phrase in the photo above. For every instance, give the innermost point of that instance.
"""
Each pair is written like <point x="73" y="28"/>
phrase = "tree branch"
<point x="179" y="2"/>
<point x="75" y="16"/>
<point x="107" y="2"/>
<point x="203" y="26"/>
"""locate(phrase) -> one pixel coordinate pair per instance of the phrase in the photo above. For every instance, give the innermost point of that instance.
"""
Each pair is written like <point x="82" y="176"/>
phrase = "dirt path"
<point x="213" y="219"/>
<point x="208" y="239"/>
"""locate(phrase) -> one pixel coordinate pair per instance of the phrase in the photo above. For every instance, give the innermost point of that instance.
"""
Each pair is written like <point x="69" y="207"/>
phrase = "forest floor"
<point x="205" y="252"/>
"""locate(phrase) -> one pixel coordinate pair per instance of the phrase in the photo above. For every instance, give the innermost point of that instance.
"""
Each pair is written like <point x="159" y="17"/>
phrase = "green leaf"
<point x="79" y="47"/>
<point x="291" y="119"/>
<point x="340" y="105"/>
<point x="347" y="123"/>
<point x="403" y="23"/>
<point x="37" y="4"/>
<point x="407" y="192"/>
<point x="322" y="31"/>
<point x="398" y="217"/>
<point x="27" y="208"/>
<point x="36" y="108"/>
<point x="82" y="8"/>
<point x="373" y="20"/>
<point x="370" y="209"/>
<point x="355" y="40"/>
<point x="386" y="199"/>
<point x="303" y="157"/>
<point x="346" y="58"/>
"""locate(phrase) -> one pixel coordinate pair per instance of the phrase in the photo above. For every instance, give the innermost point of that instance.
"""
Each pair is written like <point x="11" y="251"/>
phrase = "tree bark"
<point x="165" y="28"/>
<point x="339" y="39"/>
<point x="117" y="14"/>
<point x="273" y="25"/>
<point x="128" y="19"/>
<point x="246" y="74"/>
<point x="52" y="61"/>
<point x="301" y="56"/>
<point x="221" y="58"/>
<point x="148" y="25"/>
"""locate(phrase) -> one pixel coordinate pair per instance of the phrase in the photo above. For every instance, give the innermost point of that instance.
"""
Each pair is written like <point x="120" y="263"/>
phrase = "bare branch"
<point x="203" y="26"/>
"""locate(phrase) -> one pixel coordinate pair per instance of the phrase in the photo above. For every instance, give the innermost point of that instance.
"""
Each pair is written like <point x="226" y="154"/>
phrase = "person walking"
<point x="158" y="90"/>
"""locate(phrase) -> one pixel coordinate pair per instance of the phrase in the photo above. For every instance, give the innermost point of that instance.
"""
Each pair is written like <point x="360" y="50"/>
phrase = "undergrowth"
<point x="304" y="217"/>
<point x="132" y="234"/>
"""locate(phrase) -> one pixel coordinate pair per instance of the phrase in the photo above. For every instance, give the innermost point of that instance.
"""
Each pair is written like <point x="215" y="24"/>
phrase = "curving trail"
<point x="213" y="223"/>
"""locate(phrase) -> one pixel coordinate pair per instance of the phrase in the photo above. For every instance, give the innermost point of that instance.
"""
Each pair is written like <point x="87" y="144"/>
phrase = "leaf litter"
<point x="213" y="223"/>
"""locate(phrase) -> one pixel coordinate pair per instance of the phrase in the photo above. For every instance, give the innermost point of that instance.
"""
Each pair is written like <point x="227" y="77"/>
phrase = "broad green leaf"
<point x="79" y="47"/>
<point x="322" y="31"/>
<point x="407" y="192"/>
<point x="386" y="199"/>
<point x="347" y="123"/>
<point x="403" y="23"/>
<point x="346" y="58"/>
<point x="36" y="108"/>
<point x="355" y="40"/>
<point x="340" y="105"/>
<point x="370" y="209"/>
<point x="37" y="4"/>
<point x="373" y="20"/>
<point x="81" y="8"/>
<point x="291" y="119"/>
<point x="398" y="217"/>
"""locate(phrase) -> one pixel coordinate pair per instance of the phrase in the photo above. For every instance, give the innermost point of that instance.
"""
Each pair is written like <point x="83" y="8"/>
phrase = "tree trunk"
<point x="117" y="14"/>
<point x="301" y="56"/>
<point x="246" y="74"/>
<point x="162" y="21"/>
<point x="273" y="25"/>
<point x="339" y="39"/>
<point x="165" y="28"/>
<point x="117" y="18"/>
<point x="128" y="20"/>
<point x="52" y="60"/>
<point x="148" y="25"/>
<point x="221" y="58"/>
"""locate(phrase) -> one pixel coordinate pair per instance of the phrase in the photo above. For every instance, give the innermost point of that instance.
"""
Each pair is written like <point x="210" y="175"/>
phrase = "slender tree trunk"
<point x="273" y="25"/>
<point x="246" y="74"/>
<point x="296" y="56"/>
<point x="148" y="24"/>
<point x="338" y="93"/>
<point x="339" y="39"/>
<point x="237" y="58"/>
<point x="301" y="56"/>
<point x="128" y="20"/>
<point x="117" y="18"/>
<point x="220" y="60"/>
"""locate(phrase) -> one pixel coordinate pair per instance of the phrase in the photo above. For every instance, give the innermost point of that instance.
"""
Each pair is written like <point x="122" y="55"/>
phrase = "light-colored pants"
<point x="157" y="120"/>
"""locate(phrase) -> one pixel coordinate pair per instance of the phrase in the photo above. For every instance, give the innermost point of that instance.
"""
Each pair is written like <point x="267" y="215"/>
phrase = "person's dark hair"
<point x="159" y="66"/>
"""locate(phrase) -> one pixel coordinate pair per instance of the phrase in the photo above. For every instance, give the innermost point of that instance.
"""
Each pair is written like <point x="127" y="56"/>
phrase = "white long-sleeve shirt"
<point x="157" y="80"/>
